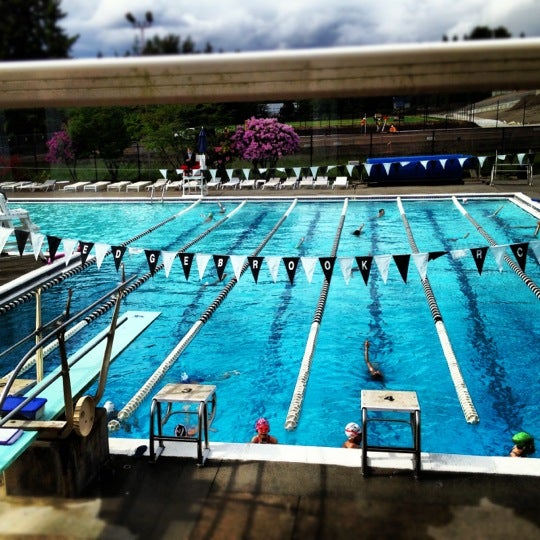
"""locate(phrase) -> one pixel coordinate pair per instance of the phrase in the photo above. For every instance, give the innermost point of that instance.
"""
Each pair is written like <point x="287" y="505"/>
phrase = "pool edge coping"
<point x="431" y="462"/>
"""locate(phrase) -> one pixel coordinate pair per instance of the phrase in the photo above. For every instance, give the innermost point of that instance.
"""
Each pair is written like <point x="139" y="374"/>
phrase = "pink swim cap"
<point x="262" y="425"/>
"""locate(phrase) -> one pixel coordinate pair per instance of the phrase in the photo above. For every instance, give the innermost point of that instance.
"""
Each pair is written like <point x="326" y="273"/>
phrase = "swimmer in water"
<point x="466" y="235"/>
<point x="358" y="231"/>
<point x="374" y="373"/>
<point x="381" y="213"/>
<point x="209" y="217"/>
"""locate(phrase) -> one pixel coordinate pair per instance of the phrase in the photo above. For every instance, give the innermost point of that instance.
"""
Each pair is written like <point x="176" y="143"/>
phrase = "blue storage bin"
<point x="33" y="410"/>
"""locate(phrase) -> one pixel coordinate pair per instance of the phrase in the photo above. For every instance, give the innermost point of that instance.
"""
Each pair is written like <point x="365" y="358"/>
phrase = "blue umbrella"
<point x="202" y="142"/>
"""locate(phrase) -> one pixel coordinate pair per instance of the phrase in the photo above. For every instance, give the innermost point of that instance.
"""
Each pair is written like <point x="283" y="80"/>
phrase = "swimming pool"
<point x="252" y="345"/>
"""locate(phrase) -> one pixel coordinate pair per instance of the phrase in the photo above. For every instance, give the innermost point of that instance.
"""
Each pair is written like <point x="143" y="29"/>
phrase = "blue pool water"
<point x="253" y="344"/>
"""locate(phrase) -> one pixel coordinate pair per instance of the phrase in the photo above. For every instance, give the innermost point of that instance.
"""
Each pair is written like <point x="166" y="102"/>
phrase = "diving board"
<point x="82" y="376"/>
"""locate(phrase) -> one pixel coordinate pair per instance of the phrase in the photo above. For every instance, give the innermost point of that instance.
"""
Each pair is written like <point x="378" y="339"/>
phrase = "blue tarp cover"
<point x="447" y="167"/>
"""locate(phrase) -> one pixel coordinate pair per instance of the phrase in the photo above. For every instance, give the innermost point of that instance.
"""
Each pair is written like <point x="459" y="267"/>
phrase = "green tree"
<point x="29" y="30"/>
<point x="485" y="32"/>
<point x="100" y="132"/>
<point x="170" y="44"/>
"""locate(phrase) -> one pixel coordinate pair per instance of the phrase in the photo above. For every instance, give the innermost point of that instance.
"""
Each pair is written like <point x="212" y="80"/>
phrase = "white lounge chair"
<point x="272" y="183"/>
<point x="15" y="185"/>
<point x="97" y="186"/>
<point x="158" y="185"/>
<point x="232" y="183"/>
<point x="247" y="184"/>
<point x="177" y="184"/>
<point x="216" y="183"/>
<point x="118" y="186"/>
<point x="305" y="182"/>
<point x="38" y="186"/>
<point x="341" y="181"/>
<point x="76" y="186"/>
<point x="321" y="182"/>
<point x="291" y="182"/>
<point x="137" y="186"/>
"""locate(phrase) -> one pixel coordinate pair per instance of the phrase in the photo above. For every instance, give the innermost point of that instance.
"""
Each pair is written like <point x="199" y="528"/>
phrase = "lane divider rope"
<point x="297" y="400"/>
<point x="133" y="404"/>
<point x="464" y="397"/>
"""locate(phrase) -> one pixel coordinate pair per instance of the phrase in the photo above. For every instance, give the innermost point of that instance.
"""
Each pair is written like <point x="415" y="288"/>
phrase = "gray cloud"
<point x="242" y="25"/>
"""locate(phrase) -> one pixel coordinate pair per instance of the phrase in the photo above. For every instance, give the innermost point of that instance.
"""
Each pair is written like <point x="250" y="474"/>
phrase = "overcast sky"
<point x="251" y="25"/>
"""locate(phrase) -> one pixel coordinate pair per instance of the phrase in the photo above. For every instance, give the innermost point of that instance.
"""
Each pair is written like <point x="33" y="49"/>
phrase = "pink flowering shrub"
<point x="61" y="151"/>
<point x="263" y="141"/>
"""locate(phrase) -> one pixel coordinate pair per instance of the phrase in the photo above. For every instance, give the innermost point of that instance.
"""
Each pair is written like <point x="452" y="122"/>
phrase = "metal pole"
<point x="39" y="352"/>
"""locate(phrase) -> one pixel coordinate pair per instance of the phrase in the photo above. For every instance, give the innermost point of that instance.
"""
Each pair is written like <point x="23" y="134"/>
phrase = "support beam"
<point x="405" y="69"/>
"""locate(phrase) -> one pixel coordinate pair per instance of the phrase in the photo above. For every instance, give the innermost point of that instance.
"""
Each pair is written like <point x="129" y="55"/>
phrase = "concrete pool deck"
<point x="248" y="491"/>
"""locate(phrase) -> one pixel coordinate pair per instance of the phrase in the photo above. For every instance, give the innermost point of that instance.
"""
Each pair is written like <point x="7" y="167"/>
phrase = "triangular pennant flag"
<point x="246" y="173"/>
<point x="22" y="237"/>
<point x="186" y="260"/>
<point x="4" y="235"/>
<point x="535" y="247"/>
<point x="421" y="263"/>
<point x="297" y="171"/>
<point x="69" y="247"/>
<point x="85" y="248"/>
<point x="458" y="253"/>
<point x="424" y="163"/>
<point x="520" y="253"/>
<point x="387" y="166"/>
<point x="462" y="160"/>
<point x="308" y="264"/>
<point x="432" y="255"/>
<point x="345" y="264"/>
<point x="230" y="173"/>
<point x="520" y="158"/>
<point x="255" y="265"/>
<point x="327" y="265"/>
<point x="273" y="266"/>
<point x="498" y="254"/>
<point x="152" y="257"/>
<point x="101" y="251"/>
<point x="118" y="253"/>
<point x="36" y="239"/>
<point x="314" y="170"/>
<point x="220" y="262"/>
<point x="481" y="160"/>
<point x="53" y="242"/>
<point x="402" y="263"/>
<point x="179" y="172"/>
<point x="163" y="173"/>
<point x="237" y="262"/>
<point x="213" y="173"/>
<point x="291" y="264"/>
<point x="368" y="166"/>
<point x="383" y="263"/>
<point x="404" y="163"/>
<point x="479" y="256"/>
<point x="501" y="157"/>
<point x="364" y="265"/>
<point x="350" y="169"/>
<point x="202" y="260"/>
<point x="168" y="260"/>
<point x="443" y="162"/>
